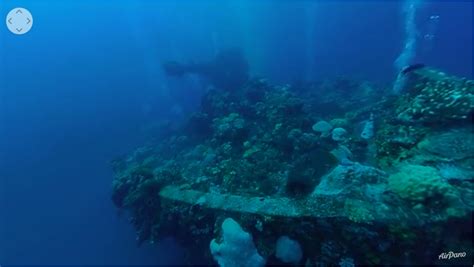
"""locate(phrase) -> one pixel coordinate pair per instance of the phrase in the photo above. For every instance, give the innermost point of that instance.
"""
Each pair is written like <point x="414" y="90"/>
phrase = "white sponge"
<point x="237" y="247"/>
<point x="288" y="250"/>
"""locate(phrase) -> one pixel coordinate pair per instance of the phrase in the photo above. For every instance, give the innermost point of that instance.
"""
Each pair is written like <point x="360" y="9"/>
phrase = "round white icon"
<point x="19" y="20"/>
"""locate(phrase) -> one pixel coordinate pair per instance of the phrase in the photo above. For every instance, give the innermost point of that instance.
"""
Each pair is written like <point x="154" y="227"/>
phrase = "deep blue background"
<point x="79" y="88"/>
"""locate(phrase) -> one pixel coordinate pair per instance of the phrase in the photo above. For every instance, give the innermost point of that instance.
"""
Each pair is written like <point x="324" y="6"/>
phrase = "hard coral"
<point x="230" y="127"/>
<point x="423" y="187"/>
<point x="322" y="127"/>
<point x="436" y="97"/>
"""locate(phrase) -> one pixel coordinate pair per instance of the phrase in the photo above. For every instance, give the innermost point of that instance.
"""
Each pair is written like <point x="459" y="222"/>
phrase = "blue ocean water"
<point x="85" y="84"/>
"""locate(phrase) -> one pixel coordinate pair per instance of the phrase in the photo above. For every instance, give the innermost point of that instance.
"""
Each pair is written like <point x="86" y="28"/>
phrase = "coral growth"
<point x="424" y="188"/>
<point x="236" y="248"/>
<point x="437" y="98"/>
<point x="312" y="163"/>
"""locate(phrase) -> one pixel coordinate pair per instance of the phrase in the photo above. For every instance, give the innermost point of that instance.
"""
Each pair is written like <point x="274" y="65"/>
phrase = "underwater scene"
<point x="236" y="133"/>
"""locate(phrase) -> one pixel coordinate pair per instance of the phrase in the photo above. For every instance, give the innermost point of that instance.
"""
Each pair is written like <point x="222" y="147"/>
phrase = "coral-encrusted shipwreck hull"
<point x="403" y="196"/>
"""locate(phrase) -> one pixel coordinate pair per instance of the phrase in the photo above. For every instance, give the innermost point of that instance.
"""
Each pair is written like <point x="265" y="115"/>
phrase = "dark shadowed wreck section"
<point x="228" y="70"/>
